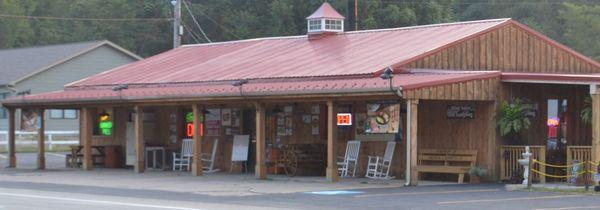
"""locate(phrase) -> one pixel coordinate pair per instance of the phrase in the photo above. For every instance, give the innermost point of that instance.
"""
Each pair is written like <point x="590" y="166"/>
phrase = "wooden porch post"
<point x="86" y="135"/>
<point x="594" y="91"/>
<point x="260" y="168"/>
<point x="198" y="139"/>
<point x="412" y="175"/>
<point x="12" y="157"/>
<point x="139" y="140"/>
<point x="41" y="160"/>
<point x="332" y="168"/>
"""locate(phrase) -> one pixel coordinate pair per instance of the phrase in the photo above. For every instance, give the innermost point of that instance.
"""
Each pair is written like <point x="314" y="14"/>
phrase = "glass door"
<point x="556" y="134"/>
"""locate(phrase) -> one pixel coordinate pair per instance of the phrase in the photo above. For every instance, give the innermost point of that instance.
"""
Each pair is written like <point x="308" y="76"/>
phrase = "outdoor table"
<point x="76" y="153"/>
<point x="154" y="150"/>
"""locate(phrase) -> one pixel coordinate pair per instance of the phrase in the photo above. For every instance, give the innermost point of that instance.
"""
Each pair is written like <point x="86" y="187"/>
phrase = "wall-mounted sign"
<point x="460" y="112"/>
<point x="382" y="118"/>
<point x="344" y="119"/>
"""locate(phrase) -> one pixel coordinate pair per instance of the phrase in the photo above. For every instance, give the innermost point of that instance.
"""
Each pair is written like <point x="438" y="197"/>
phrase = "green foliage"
<point x="573" y="22"/>
<point x="512" y="118"/>
<point x="586" y="112"/>
<point x="477" y="171"/>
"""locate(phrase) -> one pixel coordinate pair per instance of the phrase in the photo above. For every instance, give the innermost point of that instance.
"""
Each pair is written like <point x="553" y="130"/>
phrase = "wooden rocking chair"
<point x="210" y="159"/>
<point x="350" y="161"/>
<point x="379" y="167"/>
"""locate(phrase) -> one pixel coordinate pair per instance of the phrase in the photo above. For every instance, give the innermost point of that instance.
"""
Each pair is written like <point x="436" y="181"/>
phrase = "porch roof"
<point x="411" y="79"/>
<point x="582" y="79"/>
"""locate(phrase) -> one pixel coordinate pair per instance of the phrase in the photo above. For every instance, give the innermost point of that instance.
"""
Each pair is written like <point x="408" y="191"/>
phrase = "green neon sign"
<point x="106" y="124"/>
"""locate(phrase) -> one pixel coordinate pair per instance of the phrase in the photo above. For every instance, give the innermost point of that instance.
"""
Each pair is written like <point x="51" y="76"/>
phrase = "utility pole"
<point x="177" y="28"/>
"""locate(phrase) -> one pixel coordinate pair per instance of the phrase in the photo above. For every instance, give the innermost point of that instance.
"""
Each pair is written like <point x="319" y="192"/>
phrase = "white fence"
<point x="49" y="139"/>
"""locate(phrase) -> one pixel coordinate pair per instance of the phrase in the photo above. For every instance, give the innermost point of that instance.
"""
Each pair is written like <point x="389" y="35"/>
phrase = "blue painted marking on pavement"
<point x="334" y="192"/>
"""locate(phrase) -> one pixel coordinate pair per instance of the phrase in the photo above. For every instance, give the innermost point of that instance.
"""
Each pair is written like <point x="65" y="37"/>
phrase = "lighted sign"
<point x="105" y="124"/>
<point x="553" y="122"/>
<point x="189" y="125"/>
<point x="344" y="119"/>
<point x="189" y="129"/>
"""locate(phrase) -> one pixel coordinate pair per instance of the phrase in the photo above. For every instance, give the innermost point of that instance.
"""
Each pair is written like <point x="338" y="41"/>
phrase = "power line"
<point x="194" y="19"/>
<point x="219" y="25"/>
<point x="84" y="19"/>
<point x="192" y="33"/>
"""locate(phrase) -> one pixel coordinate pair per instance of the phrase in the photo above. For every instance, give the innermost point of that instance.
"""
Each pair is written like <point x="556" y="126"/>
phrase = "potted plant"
<point x="475" y="174"/>
<point x="512" y="120"/>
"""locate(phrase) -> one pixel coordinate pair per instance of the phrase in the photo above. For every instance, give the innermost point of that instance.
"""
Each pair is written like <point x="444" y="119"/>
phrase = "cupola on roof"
<point x="325" y="20"/>
<point x="325" y="11"/>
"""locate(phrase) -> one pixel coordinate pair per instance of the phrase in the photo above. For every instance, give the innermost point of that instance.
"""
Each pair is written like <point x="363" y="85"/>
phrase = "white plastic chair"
<point x="350" y="160"/>
<point x="379" y="167"/>
<point x="184" y="159"/>
<point x="210" y="159"/>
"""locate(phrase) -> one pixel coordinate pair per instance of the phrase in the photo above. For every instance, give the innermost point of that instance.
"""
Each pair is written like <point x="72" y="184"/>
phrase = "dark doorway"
<point x="556" y="135"/>
<point x="249" y="125"/>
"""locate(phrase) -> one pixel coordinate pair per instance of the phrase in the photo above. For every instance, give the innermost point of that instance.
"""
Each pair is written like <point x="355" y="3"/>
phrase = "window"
<point x="63" y="114"/>
<point x="3" y="112"/>
<point x="333" y="24"/>
<point x="314" y="25"/>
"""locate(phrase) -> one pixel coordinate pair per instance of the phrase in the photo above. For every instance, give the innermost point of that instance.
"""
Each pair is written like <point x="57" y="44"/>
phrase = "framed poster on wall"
<point x="382" y="118"/>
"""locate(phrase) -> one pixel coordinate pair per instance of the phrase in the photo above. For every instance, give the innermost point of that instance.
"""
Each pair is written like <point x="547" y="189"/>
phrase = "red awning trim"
<point x="256" y="88"/>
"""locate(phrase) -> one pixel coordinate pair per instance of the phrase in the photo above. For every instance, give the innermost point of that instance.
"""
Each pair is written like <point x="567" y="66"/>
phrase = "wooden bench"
<point x="446" y="161"/>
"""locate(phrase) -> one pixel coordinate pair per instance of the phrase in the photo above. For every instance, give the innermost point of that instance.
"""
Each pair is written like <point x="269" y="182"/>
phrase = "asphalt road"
<point x="39" y="195"/>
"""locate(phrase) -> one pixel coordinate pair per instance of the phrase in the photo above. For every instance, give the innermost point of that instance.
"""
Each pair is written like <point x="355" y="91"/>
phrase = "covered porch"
<point x="276" y="115"/>
<point x="560" y="135"/>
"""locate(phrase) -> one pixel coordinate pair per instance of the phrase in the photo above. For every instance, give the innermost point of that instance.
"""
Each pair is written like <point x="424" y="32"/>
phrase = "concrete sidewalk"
<point x="214" y="184"/>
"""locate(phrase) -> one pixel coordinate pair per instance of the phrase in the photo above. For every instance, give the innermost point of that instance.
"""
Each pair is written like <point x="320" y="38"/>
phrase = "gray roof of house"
<point x="18" y="63"/>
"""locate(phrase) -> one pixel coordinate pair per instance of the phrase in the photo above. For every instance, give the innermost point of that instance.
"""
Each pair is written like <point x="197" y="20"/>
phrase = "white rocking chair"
<point x="350" y="160"/>
<point x="210" y="159"/>
<point x="379" y="167"/>
<point x="183" y="159"/>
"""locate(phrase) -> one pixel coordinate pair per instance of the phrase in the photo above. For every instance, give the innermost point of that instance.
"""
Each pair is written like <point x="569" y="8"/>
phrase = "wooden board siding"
<point x="438" y="132"/>
<point x="474" y="90"/>
<point x="578" y="133"/>
<point x="510" y="49"/>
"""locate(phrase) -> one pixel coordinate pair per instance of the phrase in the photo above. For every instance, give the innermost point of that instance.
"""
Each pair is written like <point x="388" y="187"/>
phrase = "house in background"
<point x="48" y="68"/>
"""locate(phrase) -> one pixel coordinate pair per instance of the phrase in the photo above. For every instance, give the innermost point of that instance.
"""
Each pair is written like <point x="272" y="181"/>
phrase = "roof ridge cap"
<point x="499" y="20"/>
<point x="245" y="40"/>
<point x="55" y="45"/>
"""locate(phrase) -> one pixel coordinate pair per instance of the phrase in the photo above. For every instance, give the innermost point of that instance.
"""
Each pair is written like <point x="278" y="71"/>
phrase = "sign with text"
<point x="460" y="112"/>
<point x="344" y="119"/>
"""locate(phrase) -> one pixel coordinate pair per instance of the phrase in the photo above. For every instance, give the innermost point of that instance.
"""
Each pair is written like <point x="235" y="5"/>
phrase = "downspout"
<point x="389" y="75"/>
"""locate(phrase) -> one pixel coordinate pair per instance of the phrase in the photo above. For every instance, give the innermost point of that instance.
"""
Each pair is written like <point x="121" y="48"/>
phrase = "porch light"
<point x="388" y="73"/>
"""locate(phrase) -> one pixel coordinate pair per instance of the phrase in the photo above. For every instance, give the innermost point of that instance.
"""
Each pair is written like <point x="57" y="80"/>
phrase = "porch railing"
<point x="509" y="156"/>
<point x="580" y="153"/>
<point x="22" y="136"/>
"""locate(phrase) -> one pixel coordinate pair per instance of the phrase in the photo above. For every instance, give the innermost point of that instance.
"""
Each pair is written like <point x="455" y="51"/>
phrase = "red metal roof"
<point x="349" y="53"/>
<point x="261" y="87"/>
<point x="325" y="11"/>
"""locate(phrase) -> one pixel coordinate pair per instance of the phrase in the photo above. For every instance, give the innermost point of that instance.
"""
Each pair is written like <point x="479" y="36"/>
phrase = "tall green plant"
<point x="586" y="112"/>
<point x="512" y="118"/>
